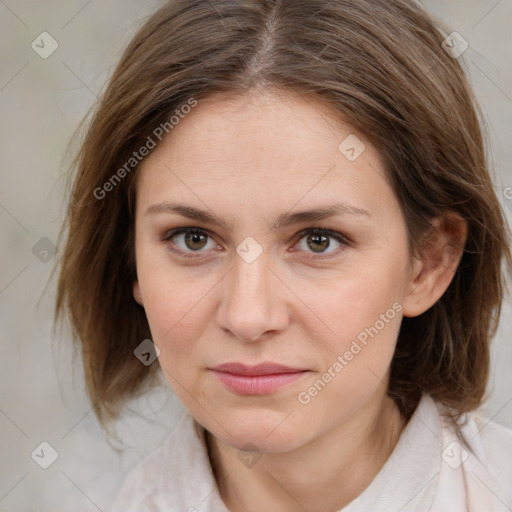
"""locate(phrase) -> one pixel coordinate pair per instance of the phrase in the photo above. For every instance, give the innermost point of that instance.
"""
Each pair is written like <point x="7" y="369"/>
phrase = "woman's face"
<point x="256" y="286"/>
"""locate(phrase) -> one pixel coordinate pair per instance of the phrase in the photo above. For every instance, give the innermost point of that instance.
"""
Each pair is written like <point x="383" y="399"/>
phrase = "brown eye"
<point x="317" y="240"/>
<point x="188" y="240"/>
<point x="195" y="240"/>
<point x="318" y="243"/>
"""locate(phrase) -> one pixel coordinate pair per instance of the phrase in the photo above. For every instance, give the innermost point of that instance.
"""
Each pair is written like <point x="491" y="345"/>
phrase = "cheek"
<point x="174" y="303"/>
<point x="361" y="301"/>
<point x="364" y="317"/>
<point x="175" y="318"/>
<point x="364" y="345"/>
<point x="356" y="365"/>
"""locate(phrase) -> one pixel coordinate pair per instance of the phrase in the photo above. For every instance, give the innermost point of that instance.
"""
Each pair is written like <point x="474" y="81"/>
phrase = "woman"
<point x="288" y="203"/>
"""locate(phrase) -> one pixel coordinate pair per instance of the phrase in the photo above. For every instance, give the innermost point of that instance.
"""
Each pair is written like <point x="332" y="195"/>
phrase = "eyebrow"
<point x="283" y="220"/>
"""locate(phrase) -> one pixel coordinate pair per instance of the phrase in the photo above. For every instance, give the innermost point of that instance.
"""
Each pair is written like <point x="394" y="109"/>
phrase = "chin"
<point x="262" y="428"/>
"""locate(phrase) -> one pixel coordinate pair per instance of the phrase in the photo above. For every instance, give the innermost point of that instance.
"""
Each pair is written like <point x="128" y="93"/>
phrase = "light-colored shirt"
<point x="430" y="469"/>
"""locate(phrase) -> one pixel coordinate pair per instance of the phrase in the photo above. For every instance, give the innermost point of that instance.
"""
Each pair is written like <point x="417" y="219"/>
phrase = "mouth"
<point x="261" y="379"/>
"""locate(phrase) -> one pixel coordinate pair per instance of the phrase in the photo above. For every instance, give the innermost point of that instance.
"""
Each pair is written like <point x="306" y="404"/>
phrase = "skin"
<point x="247" y="160"/>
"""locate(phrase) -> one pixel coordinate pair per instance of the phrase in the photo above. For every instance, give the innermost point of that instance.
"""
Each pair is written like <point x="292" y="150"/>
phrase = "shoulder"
<point x="142" y="482"/>
<point x="477" y="460"/>
<point x="496" y="444"/>
<point x="175" y="476"/>
<point x="139" y="482"/>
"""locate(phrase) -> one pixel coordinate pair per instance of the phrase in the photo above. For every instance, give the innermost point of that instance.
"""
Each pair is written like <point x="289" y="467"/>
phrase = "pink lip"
<point x="256" y="380"/>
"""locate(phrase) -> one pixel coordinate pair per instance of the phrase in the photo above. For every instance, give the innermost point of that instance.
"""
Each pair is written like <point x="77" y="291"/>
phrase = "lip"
<point x="260" y="379"/>
<point x="256" y="370"/>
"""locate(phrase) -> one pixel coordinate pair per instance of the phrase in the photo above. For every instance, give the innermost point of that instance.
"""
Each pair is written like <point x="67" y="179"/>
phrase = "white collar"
<point x="424" y="471"/>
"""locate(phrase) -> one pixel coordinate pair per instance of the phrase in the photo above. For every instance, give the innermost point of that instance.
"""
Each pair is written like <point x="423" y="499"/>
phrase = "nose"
<point x="253" y="304"/>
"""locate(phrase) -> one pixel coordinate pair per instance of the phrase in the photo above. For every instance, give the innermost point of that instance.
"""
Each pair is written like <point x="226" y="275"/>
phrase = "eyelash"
<point x="316" y="231"/>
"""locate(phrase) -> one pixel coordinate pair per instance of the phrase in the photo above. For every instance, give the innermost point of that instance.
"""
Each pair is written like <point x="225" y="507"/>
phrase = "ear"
<point x="136" y="293"/>
<point x="440" y="256"/>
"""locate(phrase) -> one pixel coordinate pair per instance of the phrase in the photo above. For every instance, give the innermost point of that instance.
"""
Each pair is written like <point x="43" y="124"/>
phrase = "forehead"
<point x="271" y="122"/>
<point x="260" y="150"/>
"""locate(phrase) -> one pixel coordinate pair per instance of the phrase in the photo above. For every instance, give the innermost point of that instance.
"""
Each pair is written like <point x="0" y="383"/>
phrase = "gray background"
<point x="42" y="100"/>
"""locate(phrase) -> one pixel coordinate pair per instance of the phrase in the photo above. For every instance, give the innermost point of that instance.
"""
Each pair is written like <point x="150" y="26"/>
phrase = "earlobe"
<point x="136" y="293"/>
<point x="440" y="257"/>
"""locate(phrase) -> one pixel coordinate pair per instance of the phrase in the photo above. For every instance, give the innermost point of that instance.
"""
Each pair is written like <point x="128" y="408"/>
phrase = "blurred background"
<point x="55" y="60"/>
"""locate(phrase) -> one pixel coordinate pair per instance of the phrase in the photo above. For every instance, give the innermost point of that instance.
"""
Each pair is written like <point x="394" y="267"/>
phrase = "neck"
<point x="324" y="474"/>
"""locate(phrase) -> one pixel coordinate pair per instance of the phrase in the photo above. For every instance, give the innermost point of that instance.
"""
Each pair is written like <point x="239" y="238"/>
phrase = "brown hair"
<point x="381" y="68"/>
